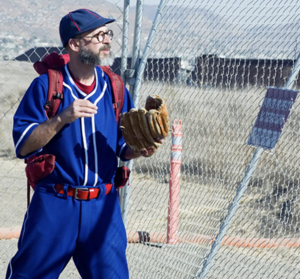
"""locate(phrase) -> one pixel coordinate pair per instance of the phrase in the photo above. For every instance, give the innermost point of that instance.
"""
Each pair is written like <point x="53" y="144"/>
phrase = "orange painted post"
<point x="174" y="183"/>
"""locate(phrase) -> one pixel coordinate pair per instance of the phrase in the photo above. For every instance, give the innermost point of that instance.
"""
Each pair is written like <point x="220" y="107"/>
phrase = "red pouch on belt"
<point x="39" y="167"/>
<point x="121" y="177"/>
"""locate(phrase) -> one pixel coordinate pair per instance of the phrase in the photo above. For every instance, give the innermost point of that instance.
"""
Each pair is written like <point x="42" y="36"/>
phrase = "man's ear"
<point x="74" y="44"/>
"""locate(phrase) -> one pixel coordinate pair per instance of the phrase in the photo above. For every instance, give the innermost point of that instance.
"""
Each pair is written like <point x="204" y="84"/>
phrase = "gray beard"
<point x="88" y="57"/>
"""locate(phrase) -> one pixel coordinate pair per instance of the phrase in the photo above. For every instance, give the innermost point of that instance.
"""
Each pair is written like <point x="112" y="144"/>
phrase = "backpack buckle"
<point x="58" y="96"/>
<point x="116" y="105"/>
<point x="47" y="105"/>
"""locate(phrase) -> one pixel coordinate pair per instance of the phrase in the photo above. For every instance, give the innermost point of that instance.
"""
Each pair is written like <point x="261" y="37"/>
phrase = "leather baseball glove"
<point x="144" y="128"/>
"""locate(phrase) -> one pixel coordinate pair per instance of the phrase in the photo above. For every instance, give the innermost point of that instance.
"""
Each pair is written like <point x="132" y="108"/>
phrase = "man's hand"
<point x="130" y="154"/>
<point x="79" y="108"/>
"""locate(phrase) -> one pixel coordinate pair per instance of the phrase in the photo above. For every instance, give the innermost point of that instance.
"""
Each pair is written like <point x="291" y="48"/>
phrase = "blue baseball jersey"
<point x="86" y="150"/>
<point x="58" y="227"/>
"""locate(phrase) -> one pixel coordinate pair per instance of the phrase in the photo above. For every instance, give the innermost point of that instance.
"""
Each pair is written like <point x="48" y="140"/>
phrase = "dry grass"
<point x="15" y="77"/>
<point x="216" y="126"/>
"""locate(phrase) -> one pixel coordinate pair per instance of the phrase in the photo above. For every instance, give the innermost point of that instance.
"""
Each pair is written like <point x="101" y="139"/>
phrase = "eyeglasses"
<point x="101" y="35"/>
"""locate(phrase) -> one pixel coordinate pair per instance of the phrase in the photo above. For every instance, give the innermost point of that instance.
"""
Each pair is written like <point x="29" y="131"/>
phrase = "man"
<point x="86" y="141"/>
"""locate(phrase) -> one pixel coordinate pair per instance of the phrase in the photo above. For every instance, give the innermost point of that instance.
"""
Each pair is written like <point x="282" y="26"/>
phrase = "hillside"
<point x="183" y="30"/>
<point x="26" y="23"/>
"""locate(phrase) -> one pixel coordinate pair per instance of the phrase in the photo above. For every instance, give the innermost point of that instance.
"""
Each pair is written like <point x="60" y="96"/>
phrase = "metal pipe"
<point x="231" y="211"/>
<point x="123" y="76"/>
<point x="125" y="39"/>
<point x="139" y="76"/>
<point x="135" y="59"/>
<point x="125" y="191"/>
<point x="135" y="79"/>
<point x="294" y="74"/>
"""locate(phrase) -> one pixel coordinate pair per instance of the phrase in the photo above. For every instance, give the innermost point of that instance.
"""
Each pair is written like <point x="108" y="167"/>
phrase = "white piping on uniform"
<point x="96" y="86"/>
<point x="95" y="149"/>
<point x="83" y="138"/>
<point x="72" y="81"/>
<point x="85" y="151"/>
<point x="68" y="86"/>
<point x="94" y="134"/>
<point x="86" y="96"/>
<point x="102" y="93"/>
<point x="24" y="133"/>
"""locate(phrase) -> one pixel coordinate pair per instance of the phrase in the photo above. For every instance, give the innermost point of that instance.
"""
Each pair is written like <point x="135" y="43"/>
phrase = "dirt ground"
<point x="154" y="260"/>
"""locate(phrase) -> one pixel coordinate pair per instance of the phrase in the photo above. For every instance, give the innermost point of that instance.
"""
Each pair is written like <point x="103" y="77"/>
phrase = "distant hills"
<point x="30" y="23"/>
<point x="183" y="31"/>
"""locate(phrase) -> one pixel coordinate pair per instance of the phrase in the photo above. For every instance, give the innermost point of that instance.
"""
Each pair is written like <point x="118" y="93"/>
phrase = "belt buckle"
<point x="76" y="192"/>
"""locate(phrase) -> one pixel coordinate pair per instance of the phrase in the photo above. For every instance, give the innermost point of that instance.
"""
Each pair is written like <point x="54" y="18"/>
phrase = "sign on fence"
<point x="272" y="116"/>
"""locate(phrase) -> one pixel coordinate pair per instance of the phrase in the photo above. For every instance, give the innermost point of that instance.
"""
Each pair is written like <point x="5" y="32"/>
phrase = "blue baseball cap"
<point x="80" y="21"/>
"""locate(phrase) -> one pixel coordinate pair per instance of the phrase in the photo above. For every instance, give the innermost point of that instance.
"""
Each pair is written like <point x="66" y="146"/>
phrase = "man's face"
<point x="93" y="52"/>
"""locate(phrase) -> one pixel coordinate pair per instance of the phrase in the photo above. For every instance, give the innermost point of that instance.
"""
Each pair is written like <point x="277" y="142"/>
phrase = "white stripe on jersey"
<point x="24" y="133"/>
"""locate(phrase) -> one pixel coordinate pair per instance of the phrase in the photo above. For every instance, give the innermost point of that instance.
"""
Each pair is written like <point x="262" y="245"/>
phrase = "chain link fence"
<point x="212" y="61"/>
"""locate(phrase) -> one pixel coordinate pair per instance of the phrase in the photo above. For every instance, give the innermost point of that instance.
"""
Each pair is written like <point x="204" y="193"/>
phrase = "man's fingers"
<point x="85" y="103"/>
<point x="79" y="108"/>
<point x="85" y="114"/>
<point x="85" y="108"/>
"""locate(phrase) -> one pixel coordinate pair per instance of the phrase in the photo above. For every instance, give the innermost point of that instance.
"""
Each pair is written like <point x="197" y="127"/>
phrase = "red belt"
<point x="80" y="193"/>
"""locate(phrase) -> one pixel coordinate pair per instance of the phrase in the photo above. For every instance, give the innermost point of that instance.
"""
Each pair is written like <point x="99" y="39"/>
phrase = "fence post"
<point x="143" y="62"/>
<point x="174" y="183"/>
<point x="231" y="211"/>
<point x="130" y="78"/>
<point x="134" y="78"/>
<point x="125" y="39"/>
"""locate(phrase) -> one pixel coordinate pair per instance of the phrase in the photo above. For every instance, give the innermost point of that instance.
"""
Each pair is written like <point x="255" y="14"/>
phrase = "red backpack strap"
<point x="117" y="85"/>
<point x="55" y="91"/>
<point x="52" y="64"/>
